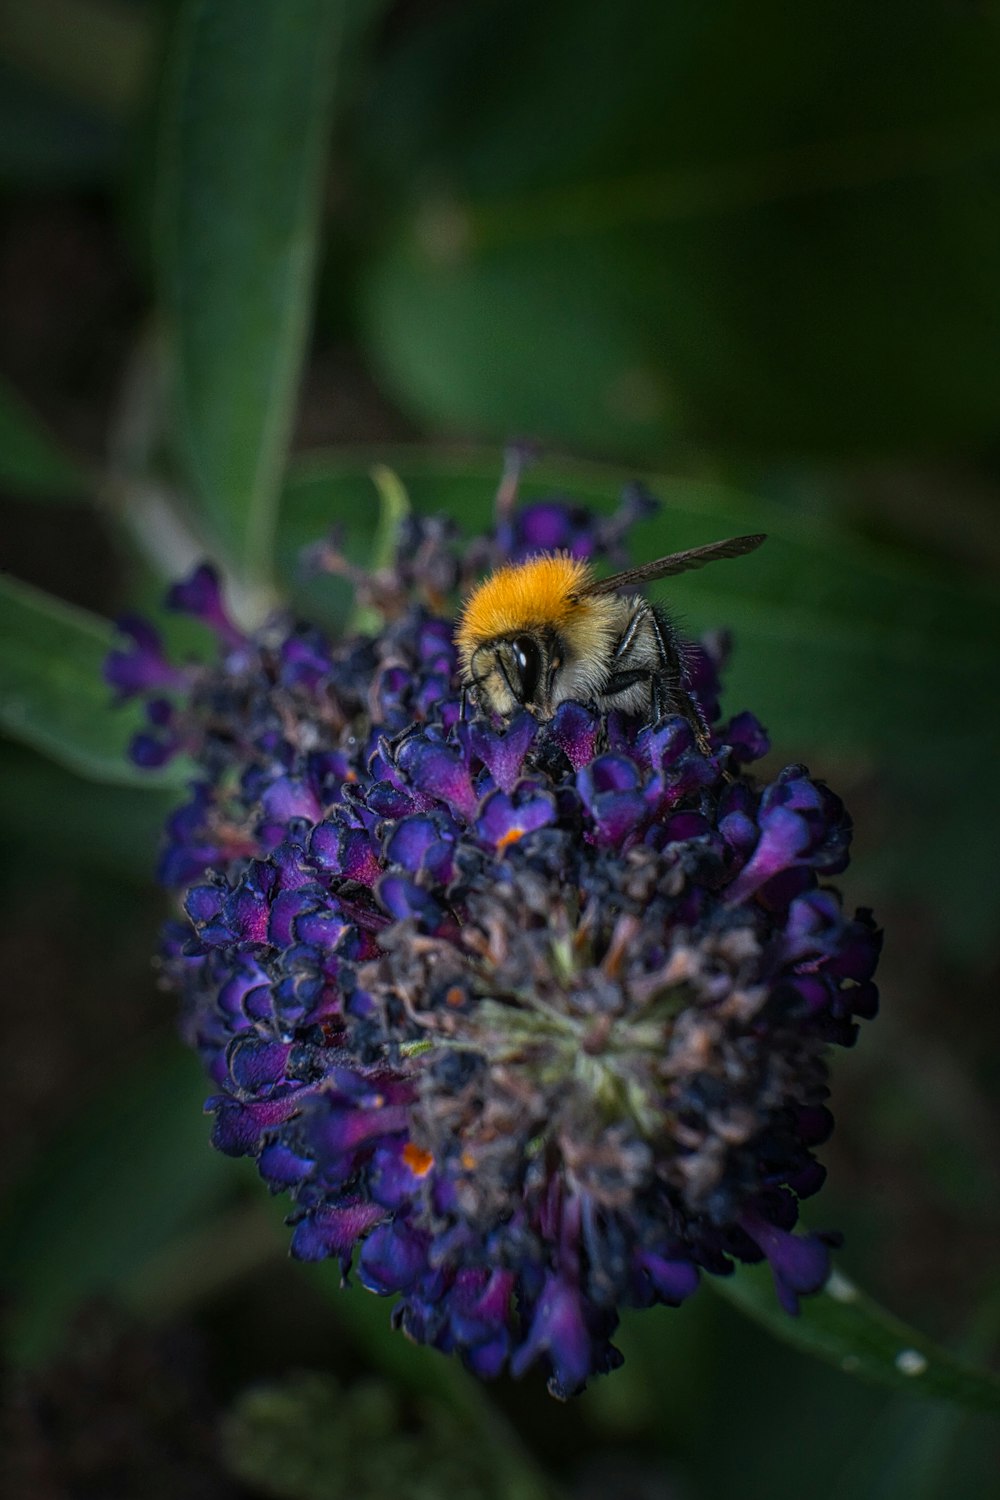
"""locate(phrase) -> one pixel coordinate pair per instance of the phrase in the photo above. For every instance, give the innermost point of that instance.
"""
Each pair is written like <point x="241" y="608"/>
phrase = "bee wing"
<point x="668" y="567"/>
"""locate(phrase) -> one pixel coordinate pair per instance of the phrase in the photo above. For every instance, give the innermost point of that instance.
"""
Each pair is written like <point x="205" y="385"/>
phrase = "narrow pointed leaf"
<point x="242" y="155"/>
<point x="846" y="1328"/>
<point x="52" y="693"/>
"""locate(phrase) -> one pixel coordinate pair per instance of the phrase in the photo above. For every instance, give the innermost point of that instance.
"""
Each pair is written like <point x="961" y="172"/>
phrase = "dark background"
<point x="750" y="253"/>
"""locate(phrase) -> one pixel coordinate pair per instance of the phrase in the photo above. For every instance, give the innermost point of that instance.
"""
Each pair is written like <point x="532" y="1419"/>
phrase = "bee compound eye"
<point x="528" y="660"/>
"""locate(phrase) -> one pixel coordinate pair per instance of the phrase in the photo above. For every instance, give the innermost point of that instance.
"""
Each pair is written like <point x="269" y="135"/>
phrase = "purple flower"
<point x="529" y="1020"/>
<point x="201" y="596"/>
<point x="141" y="667"/>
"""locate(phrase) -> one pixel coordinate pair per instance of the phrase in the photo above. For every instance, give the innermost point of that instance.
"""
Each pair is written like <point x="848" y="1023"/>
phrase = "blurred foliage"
<point x="765" y="228"/>
<point x="237" y="248"/>
<point x="307" y="1439"/>
<point x="30" y="460"/>
<point x="748" y="252"/>
<point x="123" y="1410"/>
<point x="52" y="691"/>
<point x="136" y="1172"/>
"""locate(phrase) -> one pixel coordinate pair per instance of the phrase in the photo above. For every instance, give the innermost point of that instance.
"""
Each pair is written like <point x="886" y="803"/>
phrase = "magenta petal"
<point x="505" y="820"/>
<point x="559" y="1330"/>
<point x="576" y="731"/>
<point x="800" y="1264"/>
<point x="503" y="754"/>
<point x="783" y="839"/>
<point x="335" y="1231"/>
<point x="392" y="1258"/>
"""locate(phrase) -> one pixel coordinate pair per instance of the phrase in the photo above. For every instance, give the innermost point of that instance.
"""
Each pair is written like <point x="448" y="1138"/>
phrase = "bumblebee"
<point x="537" y="633"/>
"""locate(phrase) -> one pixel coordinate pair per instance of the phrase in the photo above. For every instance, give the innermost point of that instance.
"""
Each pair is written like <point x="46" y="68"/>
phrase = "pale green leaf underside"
<point x="846" y="1328"/>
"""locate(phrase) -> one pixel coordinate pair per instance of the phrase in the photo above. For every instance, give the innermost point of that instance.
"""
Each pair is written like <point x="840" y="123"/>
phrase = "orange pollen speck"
<point x="418" y="1161"/>
<point x="468" y="1161"/>
<point x="455" y="996"/>
<point x="510" y="837"/>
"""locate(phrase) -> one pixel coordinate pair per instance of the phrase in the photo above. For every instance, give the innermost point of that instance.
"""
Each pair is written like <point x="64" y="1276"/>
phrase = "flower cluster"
<point x="530" y="1018"/>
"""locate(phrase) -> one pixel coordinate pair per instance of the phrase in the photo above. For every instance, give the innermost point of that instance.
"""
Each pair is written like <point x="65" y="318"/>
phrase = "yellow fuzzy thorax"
<point x="532" y="594"/>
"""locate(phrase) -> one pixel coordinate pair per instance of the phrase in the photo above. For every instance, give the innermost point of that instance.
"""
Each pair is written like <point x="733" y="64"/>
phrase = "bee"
<point x="538" y="633"/>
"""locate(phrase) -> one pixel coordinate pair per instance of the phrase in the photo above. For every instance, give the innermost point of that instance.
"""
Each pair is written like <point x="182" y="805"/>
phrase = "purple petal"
<point x="392" y="1258"/>
<point x="800" y="1264"/>
<point x="784" y="840"/>
<point x="335" y="1230"/>
<point x="576" y="731"/>
<point x="746" y="737"/>
<point x="672" y="1280"/>
<point x="142" y="667"/>
<point x="439" y="772"/>
<point x="505" y="820"/>
<point x="558" y="1329"/>
<point x="503" y="754"/>
<point x="403" y="899"/>
<point x="200" y="595"/>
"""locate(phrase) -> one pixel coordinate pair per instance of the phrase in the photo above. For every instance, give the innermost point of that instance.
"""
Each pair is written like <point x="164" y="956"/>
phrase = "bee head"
<point x="511" y="673"/>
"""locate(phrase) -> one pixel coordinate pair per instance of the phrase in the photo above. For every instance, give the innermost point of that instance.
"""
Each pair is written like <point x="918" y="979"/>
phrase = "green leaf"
<point x="423" y="1374"/>
<point x="31" y="462"/>
<point x="133" y="1171"/>
<point x="246" y="119"/>
<point x="670" y="225"/>
<point x="921" y="1452"/>
<point x="93" y="51"/>
<point x="114" y="829"/>
<point x="306" y="1438"/>
<point x="846" y="1328"/>
<point x="46" y="142"/>
<point x="52" y="693"/>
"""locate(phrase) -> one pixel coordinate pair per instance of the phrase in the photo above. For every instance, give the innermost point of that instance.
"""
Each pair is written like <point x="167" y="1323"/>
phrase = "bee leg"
<point x="667" y="691"/>
<point x="666" y="698"/>
<point x="662" y="696"/>
<point x="659" y="698"/>
<point x="463" y="704"/>
<point x="629" y="634"/>
<point x="619" y="681"/>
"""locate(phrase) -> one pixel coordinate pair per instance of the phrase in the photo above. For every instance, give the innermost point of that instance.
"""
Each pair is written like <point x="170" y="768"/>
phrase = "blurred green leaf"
<point x="246" y="118"/>
<point x="52" y="692"/>
<point x="851" y="653"/>
<point x="668" y="1386"/>
<point x="121" y="1179"/>
<point x="757" y="228"/>
<point x="47" y="142"/>
<point x="909" y="1453"/>
<point x="312" y="512"/>
<point x="915" y="1450"/>
<point x="848" y="1329"/>
<point x="424" y="1374"/>
<point x="307" y="1438"/>
<point x="105" y="828"/>
<point x="31" y="461"/>
<point x="92" y="51"/>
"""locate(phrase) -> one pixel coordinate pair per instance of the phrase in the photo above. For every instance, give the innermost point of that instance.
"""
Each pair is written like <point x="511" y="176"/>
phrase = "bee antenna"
<point x="517" y="457"/>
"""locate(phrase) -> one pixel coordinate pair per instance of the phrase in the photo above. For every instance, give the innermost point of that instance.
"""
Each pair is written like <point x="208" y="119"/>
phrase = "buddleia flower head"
<point x="529" y="1020"/>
